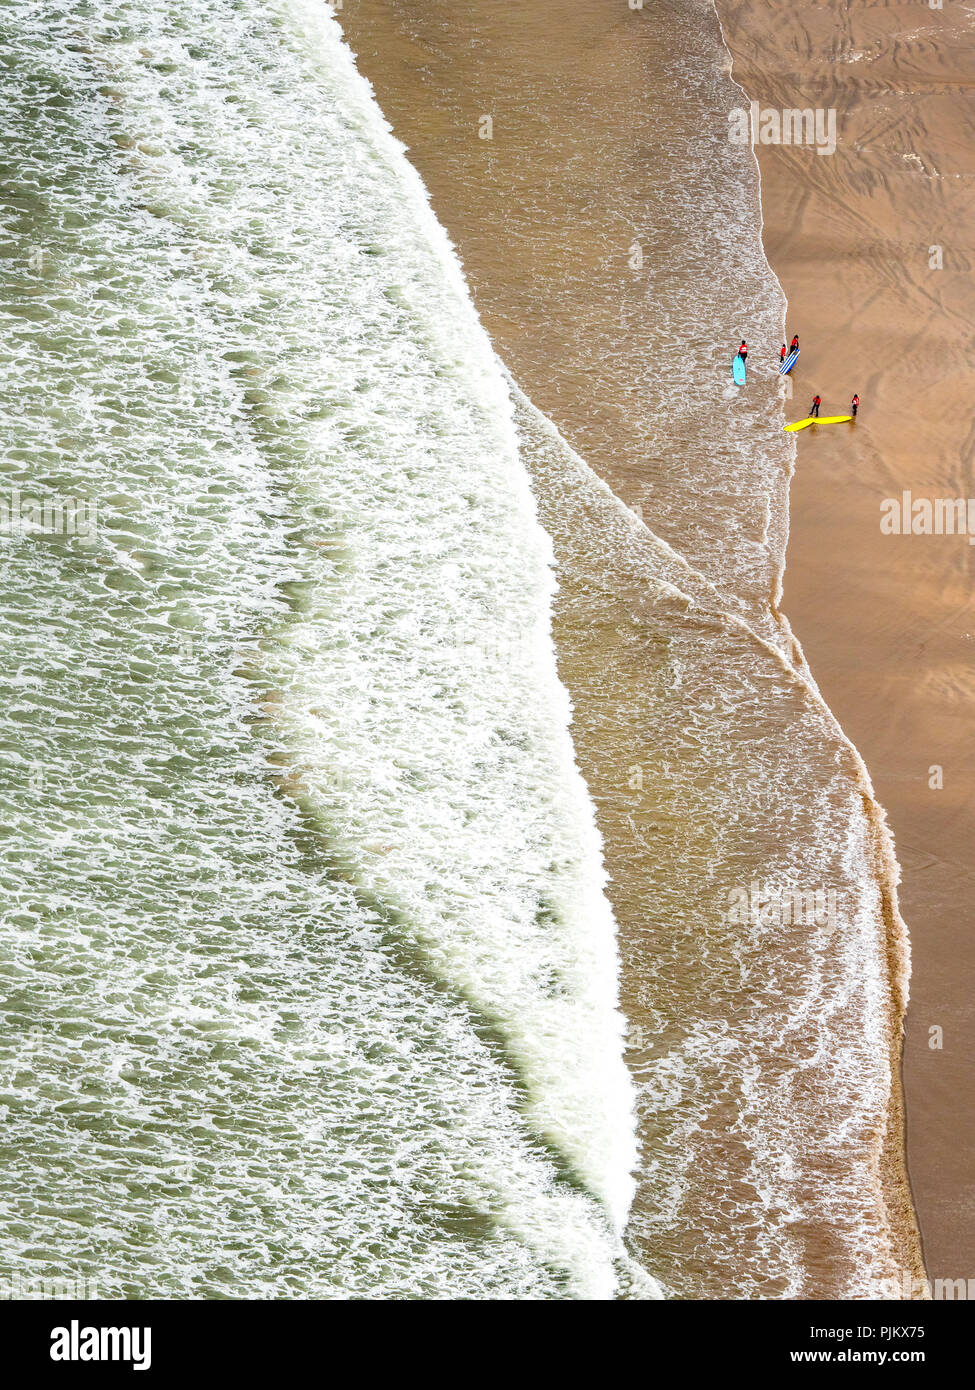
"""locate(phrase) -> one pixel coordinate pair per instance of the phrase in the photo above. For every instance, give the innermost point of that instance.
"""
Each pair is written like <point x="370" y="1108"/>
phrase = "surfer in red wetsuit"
<point x="814" y="408"/>
<point x="794" y="345"/>
<point x="782" y="354"/>
<point x="743" y="350"/>
<point x="854" y="404"/>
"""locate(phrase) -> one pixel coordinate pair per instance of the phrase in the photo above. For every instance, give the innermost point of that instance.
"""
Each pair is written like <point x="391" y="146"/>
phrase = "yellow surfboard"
<point x="820" y="420"/>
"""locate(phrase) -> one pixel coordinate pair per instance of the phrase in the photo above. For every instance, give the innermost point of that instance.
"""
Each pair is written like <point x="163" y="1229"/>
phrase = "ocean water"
<point x="309" y="976"/>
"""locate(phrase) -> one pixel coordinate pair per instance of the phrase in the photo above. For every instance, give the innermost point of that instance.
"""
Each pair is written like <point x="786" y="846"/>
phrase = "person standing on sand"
<point x="794" y="345"/>
<point x="854" y="405"/>
<point x="783" y="353"/>
<point x="814" y="408"/>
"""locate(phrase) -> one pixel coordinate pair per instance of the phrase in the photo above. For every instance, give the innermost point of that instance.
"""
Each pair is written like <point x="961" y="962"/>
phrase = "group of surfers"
<point x="787" y="352"/>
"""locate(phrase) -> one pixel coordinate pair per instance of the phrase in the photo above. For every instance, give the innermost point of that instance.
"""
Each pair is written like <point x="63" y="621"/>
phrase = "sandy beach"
<point x="874" y="249"/>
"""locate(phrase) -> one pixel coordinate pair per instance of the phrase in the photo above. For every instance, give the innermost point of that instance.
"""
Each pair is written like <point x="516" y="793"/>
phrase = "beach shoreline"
<point x="436" y="72"/>
<point x="872" y="248"/>
<point x="894" y="1177"/>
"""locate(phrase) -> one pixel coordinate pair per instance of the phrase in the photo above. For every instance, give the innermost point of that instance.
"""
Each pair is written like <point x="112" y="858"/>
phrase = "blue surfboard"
<point x="738" y="370"/>
<point x="789" y="362"/>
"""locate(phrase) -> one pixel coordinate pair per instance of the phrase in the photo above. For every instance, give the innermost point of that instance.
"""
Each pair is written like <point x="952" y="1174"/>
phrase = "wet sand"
<point x="887" y="622"/>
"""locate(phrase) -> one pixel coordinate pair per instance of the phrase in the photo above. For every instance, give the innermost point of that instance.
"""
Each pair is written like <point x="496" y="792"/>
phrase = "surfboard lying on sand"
<point x="789" y="363"/>
<point x="738" y="370"/>
<point x="818" y="420"/>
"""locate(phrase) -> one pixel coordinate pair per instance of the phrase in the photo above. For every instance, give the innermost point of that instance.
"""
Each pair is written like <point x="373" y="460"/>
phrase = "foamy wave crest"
<point x="410" y="696"/>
